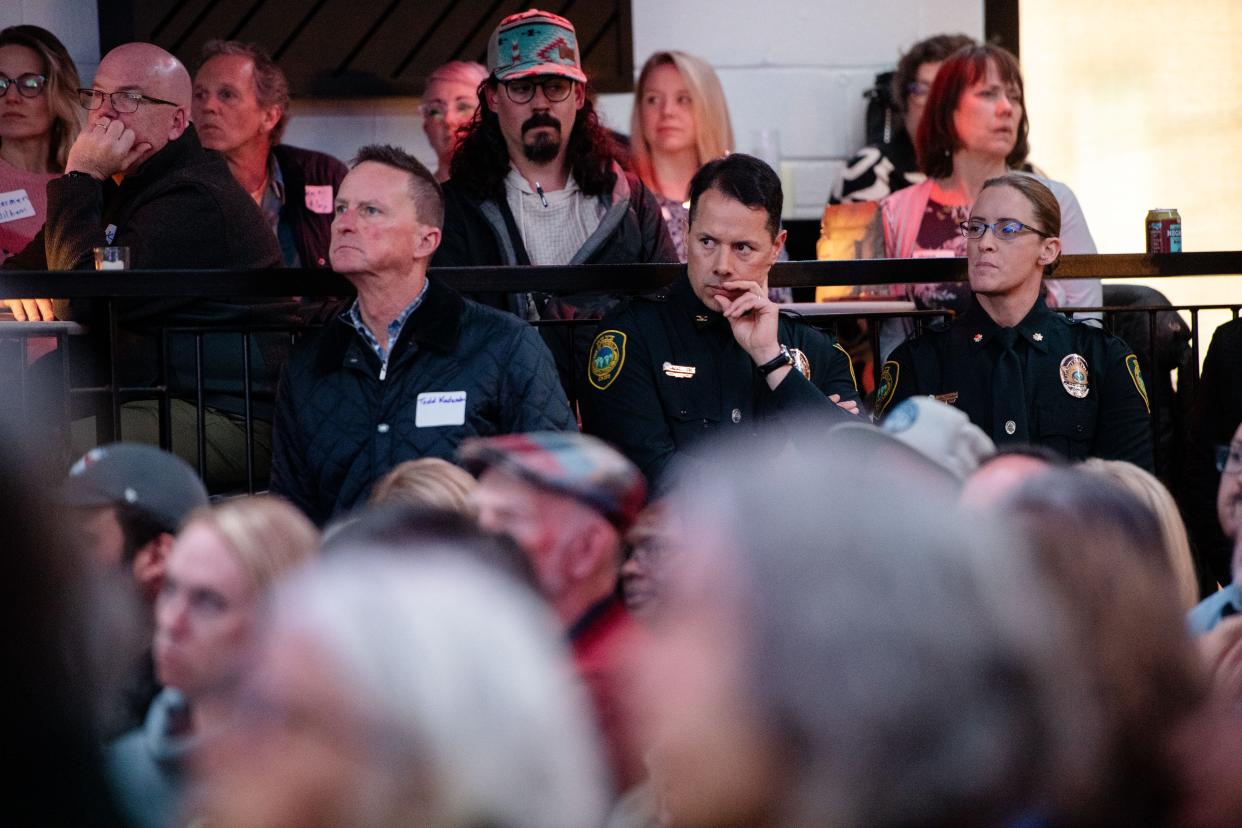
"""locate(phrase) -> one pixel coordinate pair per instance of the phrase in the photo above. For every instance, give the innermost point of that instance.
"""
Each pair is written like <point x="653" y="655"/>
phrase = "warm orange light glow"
<point x="1137" y="104"/>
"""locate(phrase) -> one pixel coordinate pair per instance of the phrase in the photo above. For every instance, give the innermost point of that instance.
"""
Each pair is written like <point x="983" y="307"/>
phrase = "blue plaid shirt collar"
<point x="354" y="317"/>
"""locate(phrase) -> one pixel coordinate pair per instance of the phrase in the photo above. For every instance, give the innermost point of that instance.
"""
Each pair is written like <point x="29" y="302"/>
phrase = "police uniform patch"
<point x="1074" y="376"/>
<point x="890" y="373"/>
<point x="801" y="362"/>
<point x="1136" y="374"/>
<point x="848" y="362"/>
<point x="607" y="358"/>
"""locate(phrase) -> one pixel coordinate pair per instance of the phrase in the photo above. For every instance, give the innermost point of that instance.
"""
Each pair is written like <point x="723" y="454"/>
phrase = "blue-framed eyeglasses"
<point x="1229" y="459"/>
<point x="1003" y="229"/>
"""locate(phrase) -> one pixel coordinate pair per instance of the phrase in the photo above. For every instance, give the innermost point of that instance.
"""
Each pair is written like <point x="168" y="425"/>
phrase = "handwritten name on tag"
<point x="15" y="205"/>
<point x="319" y="199"/>
<point x="440" y="408"/>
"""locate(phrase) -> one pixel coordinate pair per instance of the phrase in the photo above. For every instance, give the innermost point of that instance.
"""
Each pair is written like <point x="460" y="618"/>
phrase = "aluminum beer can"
<point x="1164" y="231"/>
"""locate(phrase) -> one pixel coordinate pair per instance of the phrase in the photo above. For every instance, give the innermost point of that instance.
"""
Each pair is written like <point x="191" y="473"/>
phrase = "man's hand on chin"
<point x="105" y="149"/>
<point x="753" y="318"/>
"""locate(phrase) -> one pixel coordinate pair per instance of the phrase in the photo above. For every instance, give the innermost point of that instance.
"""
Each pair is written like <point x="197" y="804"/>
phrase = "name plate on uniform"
<point x="440" y="408"/>
<point x="679" y="371"/>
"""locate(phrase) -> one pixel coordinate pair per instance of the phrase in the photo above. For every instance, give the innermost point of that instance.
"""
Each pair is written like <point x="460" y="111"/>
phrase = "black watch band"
<point x="79" y="174"/>
<point x="779" y="361"/>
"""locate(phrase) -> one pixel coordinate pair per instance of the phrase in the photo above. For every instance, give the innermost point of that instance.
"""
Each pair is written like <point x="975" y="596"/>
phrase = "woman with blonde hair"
<point x="1153" y="494"/>
<point x="223" y="564"/>
<point x="427" y="481"/>
<point x="38" y="123"/>
<point x="680" y="122"/>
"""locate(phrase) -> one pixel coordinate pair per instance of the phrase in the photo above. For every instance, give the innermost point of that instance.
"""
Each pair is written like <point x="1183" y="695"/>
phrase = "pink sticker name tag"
<point x="319" y="199"/>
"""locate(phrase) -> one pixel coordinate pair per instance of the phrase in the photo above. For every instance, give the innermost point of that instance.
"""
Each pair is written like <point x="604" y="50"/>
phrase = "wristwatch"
<point x="779" y="361"/>
<point x="79" y="174"/>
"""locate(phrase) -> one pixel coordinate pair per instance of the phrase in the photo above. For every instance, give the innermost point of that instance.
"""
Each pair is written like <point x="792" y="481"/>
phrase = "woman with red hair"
<point x="974" y="128"/>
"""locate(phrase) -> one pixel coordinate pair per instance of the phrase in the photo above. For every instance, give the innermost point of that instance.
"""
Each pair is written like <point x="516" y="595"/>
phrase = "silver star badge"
<point x="1038" y="337"/>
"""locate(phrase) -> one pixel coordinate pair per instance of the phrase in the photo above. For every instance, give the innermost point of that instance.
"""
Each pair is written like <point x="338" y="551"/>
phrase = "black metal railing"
<point x="112" y="291"/>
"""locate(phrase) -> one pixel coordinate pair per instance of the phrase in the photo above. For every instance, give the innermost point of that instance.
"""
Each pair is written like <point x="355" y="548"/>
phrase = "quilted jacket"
<point x="340" y="425"/>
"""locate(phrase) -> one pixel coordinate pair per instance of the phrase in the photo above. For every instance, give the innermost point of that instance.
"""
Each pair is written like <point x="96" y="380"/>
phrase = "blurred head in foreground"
<point x="843" y="655"/>
<point x="394" y="691"/>
<point x="1102" y="551"/>
<point x="223" y="562"/>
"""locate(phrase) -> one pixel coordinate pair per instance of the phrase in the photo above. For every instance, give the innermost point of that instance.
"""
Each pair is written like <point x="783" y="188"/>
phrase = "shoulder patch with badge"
<point x="848" y="362"/>
<point x="1136" y="374"/>
<point x="890" y="373"/>
<point x="607" y="358"/>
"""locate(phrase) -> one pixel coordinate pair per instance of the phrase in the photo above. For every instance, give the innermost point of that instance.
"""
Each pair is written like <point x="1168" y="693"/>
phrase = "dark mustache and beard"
<point x="543" y="147"/>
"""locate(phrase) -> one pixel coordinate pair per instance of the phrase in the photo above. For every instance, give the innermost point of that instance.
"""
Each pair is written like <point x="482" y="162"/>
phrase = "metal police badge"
<point x="1136" y="374"/>
<point x="607" y="358"/>
<point x="1074" y="376"/>
<point x="889" y="374"/>
<point x="801" y="362"/>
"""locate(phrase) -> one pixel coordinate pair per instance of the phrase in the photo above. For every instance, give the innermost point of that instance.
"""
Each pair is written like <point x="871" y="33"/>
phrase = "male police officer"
<point x="714" y="352"/>
<point x="1023" y="373"/>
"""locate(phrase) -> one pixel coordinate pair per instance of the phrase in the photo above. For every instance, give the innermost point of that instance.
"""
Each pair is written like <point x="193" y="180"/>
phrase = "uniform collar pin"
<point x="1038" y="337"/>
<point x="977" y="337"/>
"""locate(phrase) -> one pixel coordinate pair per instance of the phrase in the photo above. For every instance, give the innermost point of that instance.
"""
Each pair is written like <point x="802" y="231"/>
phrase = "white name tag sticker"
<point x="319" y="199"/>
<point x="14" y="205"/>
<point x="440" y="408"/>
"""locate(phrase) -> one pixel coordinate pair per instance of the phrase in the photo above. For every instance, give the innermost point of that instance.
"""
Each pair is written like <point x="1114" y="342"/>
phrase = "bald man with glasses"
<point x="137" y="177"/>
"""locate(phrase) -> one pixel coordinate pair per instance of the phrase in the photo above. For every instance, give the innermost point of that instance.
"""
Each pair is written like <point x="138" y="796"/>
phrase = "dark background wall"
<point x="351" y="48"/>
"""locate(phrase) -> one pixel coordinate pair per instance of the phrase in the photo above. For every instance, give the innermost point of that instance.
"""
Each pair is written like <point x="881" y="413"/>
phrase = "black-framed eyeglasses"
<point x="555" y="89"/>
<point x="123" y="101"/>
<point x="1003" y="229"/>
<point x="1229" y="459"/>
<point x="28" y="85"/>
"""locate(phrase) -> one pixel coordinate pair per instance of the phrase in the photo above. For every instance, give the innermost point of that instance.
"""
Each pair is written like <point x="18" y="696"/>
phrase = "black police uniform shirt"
<point x="1083" y="393"/>
<point x="665" y="373"/>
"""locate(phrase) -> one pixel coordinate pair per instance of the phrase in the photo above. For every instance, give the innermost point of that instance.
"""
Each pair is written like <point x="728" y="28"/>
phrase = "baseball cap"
<point x="532" y="43"/>
<point x="941" y="432"/>
<point x="568" y="463"/>
<point x="155" y="481"/>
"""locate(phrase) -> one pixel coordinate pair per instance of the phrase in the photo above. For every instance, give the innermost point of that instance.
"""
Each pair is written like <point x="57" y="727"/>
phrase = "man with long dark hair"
<point x="535" y="179"/>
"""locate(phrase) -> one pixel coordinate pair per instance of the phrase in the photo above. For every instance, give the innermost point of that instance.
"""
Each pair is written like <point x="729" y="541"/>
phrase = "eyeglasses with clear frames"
<point x="555" y="89"/>
<point x="436" y="112"/>
<point x="1229" y="459"/>
<point x="123" y="101"/>
<point x="1003" y="229"/>
<point x="28" y="85"/>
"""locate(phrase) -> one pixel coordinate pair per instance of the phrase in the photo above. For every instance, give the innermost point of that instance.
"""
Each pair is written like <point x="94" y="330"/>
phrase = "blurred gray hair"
<point x="465" y="674"/>
<point x="905" y="654"/>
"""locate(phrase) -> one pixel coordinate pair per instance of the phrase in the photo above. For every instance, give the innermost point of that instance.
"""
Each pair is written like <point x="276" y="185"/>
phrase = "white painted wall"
<point x="797" y="66"/>
<point x="75" y="22"/>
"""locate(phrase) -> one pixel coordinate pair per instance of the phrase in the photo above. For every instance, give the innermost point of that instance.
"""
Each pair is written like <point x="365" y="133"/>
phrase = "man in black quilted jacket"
<point x="411" y="368"/>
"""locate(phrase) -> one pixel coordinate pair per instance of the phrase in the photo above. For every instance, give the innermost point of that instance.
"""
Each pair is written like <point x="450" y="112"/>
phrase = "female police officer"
<point x="1023" y="373"/>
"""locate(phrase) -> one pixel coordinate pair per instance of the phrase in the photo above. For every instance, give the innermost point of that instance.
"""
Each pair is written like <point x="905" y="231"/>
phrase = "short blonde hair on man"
<point x="711" y="111"/>
<point x="1153" y="494"/>
<point x="268" y="535"/>
<point x="428" y="481"/>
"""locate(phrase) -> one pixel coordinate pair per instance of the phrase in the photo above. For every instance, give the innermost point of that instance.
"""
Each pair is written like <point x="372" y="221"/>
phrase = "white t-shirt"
<point x="552" y="234"/>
